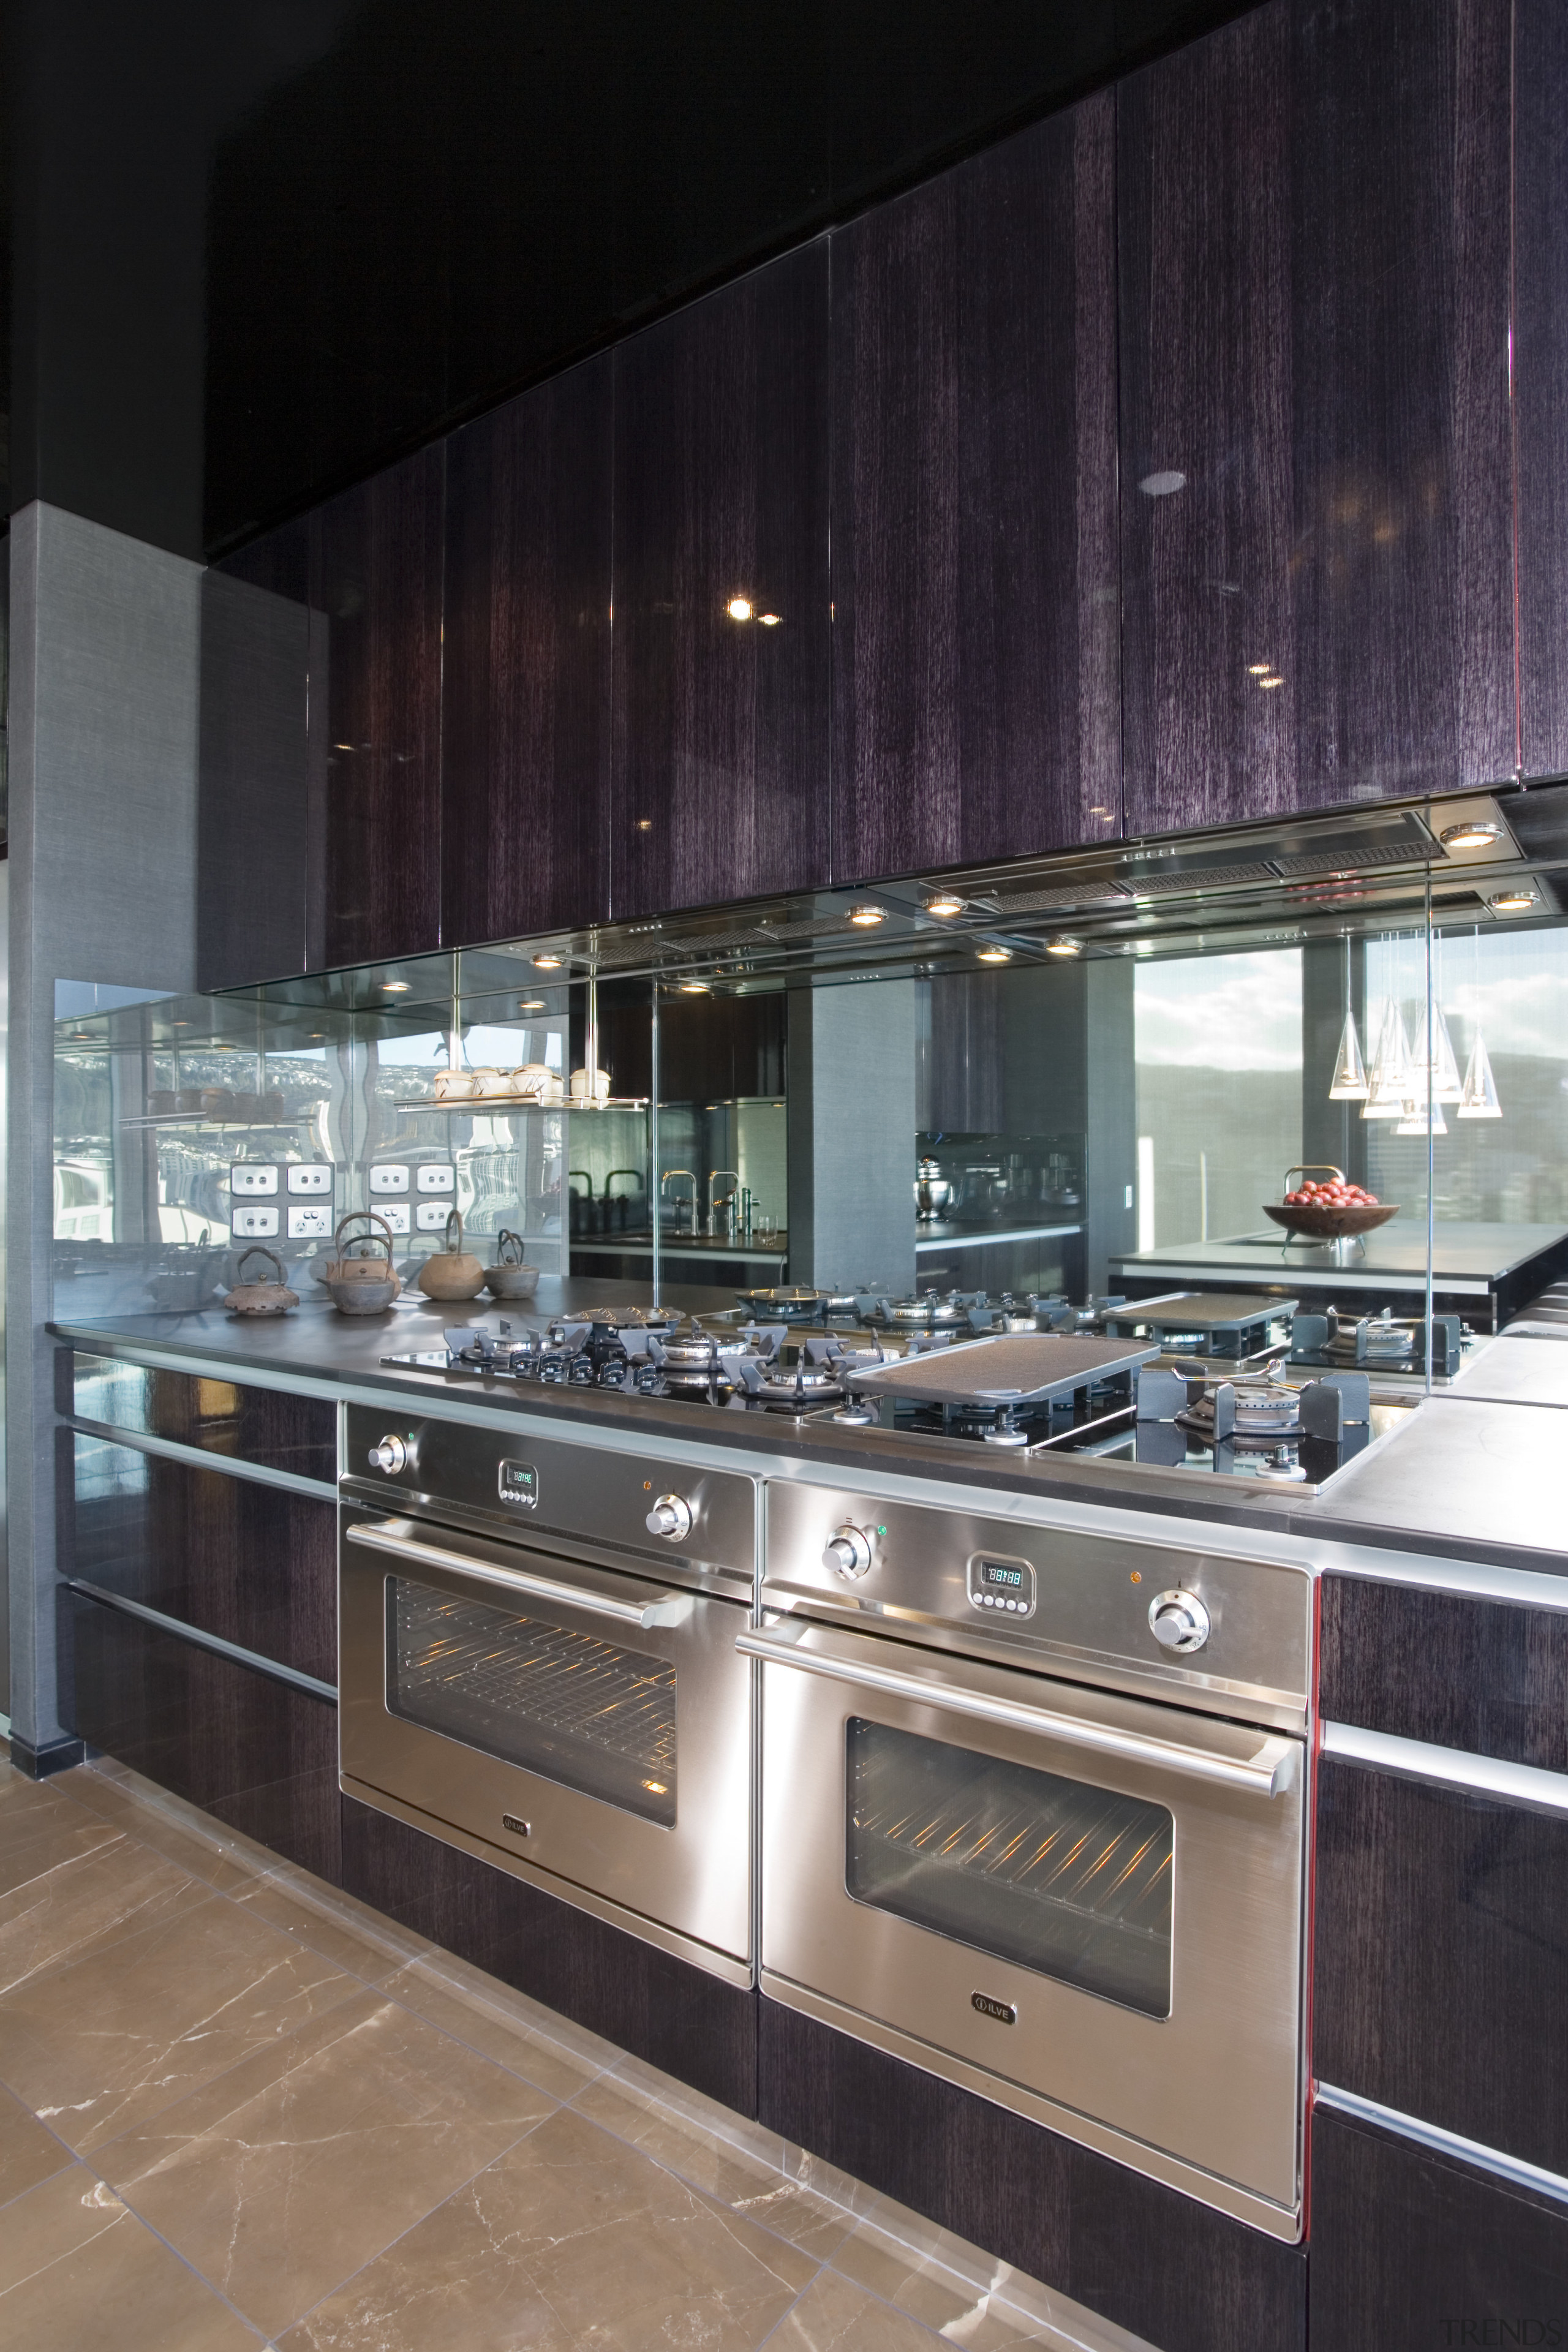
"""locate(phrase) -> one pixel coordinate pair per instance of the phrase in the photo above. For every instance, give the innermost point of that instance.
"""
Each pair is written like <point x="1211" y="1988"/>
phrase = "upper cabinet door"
<point x="722" y="612"/>
<point x="526" y="690"/>
<point x="975" y="549"/>
<point x="1313" y="216"/>
<point x="255" y="798"/>
<point x="1541" y="380"/>
<point x="375" y="692"/>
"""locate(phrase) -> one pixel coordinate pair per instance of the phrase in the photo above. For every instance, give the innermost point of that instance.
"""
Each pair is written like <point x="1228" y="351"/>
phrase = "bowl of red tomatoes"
<point x="1327" y="1211"/>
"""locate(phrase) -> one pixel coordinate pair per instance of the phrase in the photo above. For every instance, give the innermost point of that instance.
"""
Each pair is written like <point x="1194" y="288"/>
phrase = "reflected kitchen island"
<point x="1484" y="1272"/>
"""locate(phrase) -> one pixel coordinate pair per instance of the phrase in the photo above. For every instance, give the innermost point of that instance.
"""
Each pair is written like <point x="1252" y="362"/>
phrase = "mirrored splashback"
<point x="1063" y="1081"/>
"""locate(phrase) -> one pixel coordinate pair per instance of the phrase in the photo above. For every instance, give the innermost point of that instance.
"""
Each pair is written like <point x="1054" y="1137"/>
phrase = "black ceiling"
<point x="261" y="249"/>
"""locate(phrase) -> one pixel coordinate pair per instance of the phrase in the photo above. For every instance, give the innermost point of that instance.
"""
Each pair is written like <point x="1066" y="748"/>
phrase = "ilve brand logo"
<point x="1001" y="2010"/>
<point x="519" y="1483"/>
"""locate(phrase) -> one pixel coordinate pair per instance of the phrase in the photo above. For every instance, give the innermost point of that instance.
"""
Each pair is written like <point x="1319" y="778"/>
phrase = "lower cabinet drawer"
<point x="1413" y="2252"/>
<point x="256" y="1564"/>
<point x="1440" y="1954"/>
<point x="261" y="1756"/>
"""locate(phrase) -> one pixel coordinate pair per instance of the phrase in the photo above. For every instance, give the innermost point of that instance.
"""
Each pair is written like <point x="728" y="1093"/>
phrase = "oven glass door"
<point x="583" y="1721"/>
<point x="1052" y="1874"/>
<point x="582" y="1708"/>
<point x="1082" y="1904"/>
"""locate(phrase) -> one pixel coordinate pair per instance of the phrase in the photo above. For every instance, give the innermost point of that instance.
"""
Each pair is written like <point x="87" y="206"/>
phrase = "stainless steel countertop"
<point x="1511" y="1369"/>
<point x="1464" y="1477"/>
<point x="1397" y="1252"/>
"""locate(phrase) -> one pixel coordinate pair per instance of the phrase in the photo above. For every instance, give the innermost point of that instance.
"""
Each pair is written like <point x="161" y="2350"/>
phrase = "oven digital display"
<point x="996" y="1571"/>
<point x="1007" y="1585"/>
<point x="519" y="1483"/>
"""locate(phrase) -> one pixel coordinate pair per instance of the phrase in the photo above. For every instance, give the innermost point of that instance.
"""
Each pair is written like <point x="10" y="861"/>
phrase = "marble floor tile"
<point x="967" y="2296"/>
<point x="78" y="2273"/>
<point x="96" y="2046"/>
<point x="634" y="2105"/>
<point x="571" y="2238"/>
<point x="37" y="1820"/>
<point x="28" y="2152"/>
<point x="513" y="2042"/>
<point x="287" y="2175"/>
<point x="88" y="1886"/>
<point x="219" y="1859"/>
<point x="834" y="2315"/>
<point x="346" y="1946"/>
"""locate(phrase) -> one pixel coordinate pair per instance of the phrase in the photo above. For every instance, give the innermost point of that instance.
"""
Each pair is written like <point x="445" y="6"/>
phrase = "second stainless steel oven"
<point x="538" y="1662"/>
<point x="1034" y="1818"/>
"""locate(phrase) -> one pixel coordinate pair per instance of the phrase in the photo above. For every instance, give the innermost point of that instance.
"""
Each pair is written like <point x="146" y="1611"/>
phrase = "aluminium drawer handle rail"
<point x="1265" y="1774"/>
<point x="394" y="1536"/>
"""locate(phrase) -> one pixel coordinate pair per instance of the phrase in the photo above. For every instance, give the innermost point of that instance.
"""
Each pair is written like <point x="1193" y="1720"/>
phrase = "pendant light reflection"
<point x="1350" y="1082"/>
<point x="1390" y="1083"/>
<point x="1479" y="1098"/>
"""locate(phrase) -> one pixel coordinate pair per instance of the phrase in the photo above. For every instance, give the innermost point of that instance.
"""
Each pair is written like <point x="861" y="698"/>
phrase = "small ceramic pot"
<point x="453" y="1272"/>
<point x="260" y="1298"/>
<point x="455" y="1086"/>
<point x="585" y="1090"/>
<point x="160" y="1102"/>
<point x="487" y="1085"/>
<point x="188" y="1098"/>
<point x="216" y="1102"/>
<point x="509" y="1278"/>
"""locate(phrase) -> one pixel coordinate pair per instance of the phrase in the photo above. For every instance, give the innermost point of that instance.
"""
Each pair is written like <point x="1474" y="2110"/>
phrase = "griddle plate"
<point x="1203" y="1310"/>
<point x="1016" y="1367"/>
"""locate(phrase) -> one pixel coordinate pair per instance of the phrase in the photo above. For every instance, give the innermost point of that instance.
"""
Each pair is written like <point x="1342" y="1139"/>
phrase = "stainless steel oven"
<point x="1034" y="1818"/>
<point x="538" y="1662"/>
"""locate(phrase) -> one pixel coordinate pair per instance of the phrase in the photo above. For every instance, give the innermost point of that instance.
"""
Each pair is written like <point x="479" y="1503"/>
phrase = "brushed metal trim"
<point x="199" y="1640"/>
<point x="1444" y="2143"/>
<point x="1265" y="1774"/>
<point x="741" y="1973"/>
<point x="1278" y="2221"/>
<point x="174" y="1449"/>
<point x="1457" y="1767"/>
<point x="394" y="1536"/>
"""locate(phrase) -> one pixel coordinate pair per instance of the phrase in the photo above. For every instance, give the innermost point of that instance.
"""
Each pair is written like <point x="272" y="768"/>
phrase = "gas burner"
<point x="1243" y="1413"/>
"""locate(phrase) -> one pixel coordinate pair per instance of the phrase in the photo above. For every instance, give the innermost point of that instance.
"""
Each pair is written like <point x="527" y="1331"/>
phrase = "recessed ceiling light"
<point x="867" y="916"/>
<point x="395" y="987"/>
<point x="342" y="747"/>
<point x="995" y="955"/>
<point x="1472" y="832"/>
<point x="644" y="825"/>
<point x="944" y="903"/>
<point x="1259" y="669"/>
<point x="1268" y="684"/>
<point x="1512" y="902"/>
<point x="739" y="608"/>
<point x="694" y="988"/>
<point x="530" y="1005"/>
<point x="1064" y="946"/>
<point x="769" y="620"/>
<point x="548" y="963"/>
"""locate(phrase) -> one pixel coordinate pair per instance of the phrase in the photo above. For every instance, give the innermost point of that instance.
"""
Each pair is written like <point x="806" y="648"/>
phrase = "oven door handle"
<point x="396" y="1537"/>
<point x="1265" y="1774"/>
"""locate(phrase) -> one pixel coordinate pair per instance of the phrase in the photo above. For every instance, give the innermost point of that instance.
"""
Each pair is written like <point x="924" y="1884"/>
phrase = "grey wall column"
<point x="105" y="636"/>
<point x="852" y="1135"/>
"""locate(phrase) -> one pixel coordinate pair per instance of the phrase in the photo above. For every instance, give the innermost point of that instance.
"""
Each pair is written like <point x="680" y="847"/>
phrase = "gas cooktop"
<point x="1033" y="1393"/>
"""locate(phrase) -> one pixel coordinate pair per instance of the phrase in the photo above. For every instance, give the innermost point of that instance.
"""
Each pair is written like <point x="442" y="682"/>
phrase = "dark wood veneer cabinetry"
<point x="255" y="1564"/>
<point x="525" y="693"/>
<point x="1440" y="1947"/>
<point x="270" y="1426"/>
<point x="1413" y="2252"/>
<point x="1313" y="213"/>
<point x="722" y="490"/>
<point x="1154" y="2262"/>
<point x="376" y="579"/>
<point x="663" y="2009"/>
<point x="974" y="563"/>
<point x="1484" y="1675"/>
<point x="1540" y="380"/>
<point x="261" y="1756"/>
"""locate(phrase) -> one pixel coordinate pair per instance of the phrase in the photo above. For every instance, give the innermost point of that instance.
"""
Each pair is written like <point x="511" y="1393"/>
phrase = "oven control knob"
<point x="391" y="1455"/>
<point x="847" y="1552"/>
<point x="670" y="1517"/>
<point x="1179" y="1621"/>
